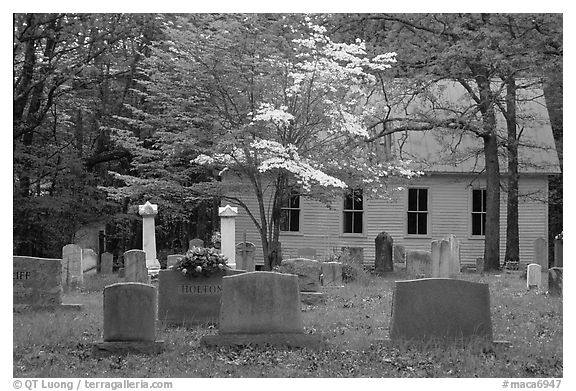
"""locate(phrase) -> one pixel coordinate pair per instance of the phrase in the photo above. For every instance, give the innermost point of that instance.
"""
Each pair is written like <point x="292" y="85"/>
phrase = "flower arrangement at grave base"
<point x="202" y="262"/>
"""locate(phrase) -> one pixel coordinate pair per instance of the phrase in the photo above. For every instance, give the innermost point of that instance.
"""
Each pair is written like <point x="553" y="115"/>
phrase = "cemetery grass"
<point x="354" y="323"/>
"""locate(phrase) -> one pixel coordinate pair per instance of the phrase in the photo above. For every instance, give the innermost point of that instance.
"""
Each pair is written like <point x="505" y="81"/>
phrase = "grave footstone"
<point x="555" y="281"/>
<point x="245" y="253"/>
<point x="72" y="276"/>
<point x="89" y="261"/>
<point x="106" y="263"/>
<point x="384" y="261"/>
<point x="129" y="320"/>
<point x="399" y="254"/>
<point x="419" y="263"/>
<point x="37" y="284"/>
<point x="534" y="276"/>
<point x="196" y="242"/>
<point x="135" y="266"/>
<point x="440" y="309"/>
<point x="187" y="301"/>
<point x="261" y="308"/>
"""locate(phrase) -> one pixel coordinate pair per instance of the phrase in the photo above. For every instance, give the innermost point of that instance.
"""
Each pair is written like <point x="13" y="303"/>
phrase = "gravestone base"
<point x="483" y="346"/>
<point x="291" y="340"/>
<point x="312" y="298"/>
<point x="55" y="307"/>
<point x="100" y="349"/>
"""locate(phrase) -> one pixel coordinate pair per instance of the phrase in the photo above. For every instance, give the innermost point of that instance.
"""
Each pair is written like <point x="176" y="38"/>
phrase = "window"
<point x="290" y="213"/>
<point x="478" y="211"/>
<point x="353" y="212"/>
<point x="417" y="211"/>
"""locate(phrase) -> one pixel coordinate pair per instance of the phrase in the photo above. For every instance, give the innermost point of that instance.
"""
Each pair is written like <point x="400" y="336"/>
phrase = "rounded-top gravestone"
<point x="384" y="261"/>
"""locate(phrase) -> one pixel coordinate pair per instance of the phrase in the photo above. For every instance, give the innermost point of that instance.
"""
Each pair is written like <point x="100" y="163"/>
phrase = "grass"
<point x="354" y="322"/>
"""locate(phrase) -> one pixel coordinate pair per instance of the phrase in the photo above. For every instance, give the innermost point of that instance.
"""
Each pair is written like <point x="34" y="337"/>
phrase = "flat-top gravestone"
<point x="245" y="253"/>
<point x="37" y="283"/>
<point x="129" y="320"/>
<point x="307" y="270"/>
<point x="555" y="281"/>
<point x="399" y="253"/>
<point x="261" y="308"/>
<point x="106" y="263"/>
<point x="438" y="309"/>
<point x="384" y="261"/>
<point x="135" y="266"/>
<point x="419" y="263"/>
<point x="440" y="259"/>
<point x="89" y="261"/>
<point x="534" y="276"/>
<point x="196" y="242"/>
<point x="331" y="274"/>
<point x="453" y="255"/>
<point x="72" y="271"/>
<point x="307" y="252"/>
<point x="186" y="301"/>
<point x="172" y="260"/>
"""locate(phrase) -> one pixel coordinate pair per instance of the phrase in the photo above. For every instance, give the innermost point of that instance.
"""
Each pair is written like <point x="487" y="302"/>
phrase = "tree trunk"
<point x="512" y="235"/>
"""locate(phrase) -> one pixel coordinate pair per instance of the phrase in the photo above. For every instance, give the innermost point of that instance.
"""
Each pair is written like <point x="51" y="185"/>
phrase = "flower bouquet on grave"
<point x="202" y="262"/>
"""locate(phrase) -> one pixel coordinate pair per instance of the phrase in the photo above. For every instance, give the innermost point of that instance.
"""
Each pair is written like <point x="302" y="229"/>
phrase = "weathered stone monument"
<point x="196" y="242"/>
<point x="399" y="253"/>
<point x="540" y="254"/>
<point x="72" y="276"/>
<point x="228" y="232"/>
<point x="384" y="261"/>
<point x="186" y="301"/>
<point x="331" y="274"/>
<point x="453" y="256"/>
<point x="419" y="263"/>
<point x="135" y="266"/>
<point x="245" y="253"/>
<point x="89" y="261"/>
<point x="106" y="263"/>
<point x="129" y="320"/>
<point x="534" y="276"/>
<point x="37" y="284"/>
<point x="440" y="259"/>
<point x="308" y="272"/>
<point x="555" y="281"/>
<point x="307" y="252"/>
<point x="438" y="309"/>
<point x="261" y="308"/>
<point x="148" y="212"/>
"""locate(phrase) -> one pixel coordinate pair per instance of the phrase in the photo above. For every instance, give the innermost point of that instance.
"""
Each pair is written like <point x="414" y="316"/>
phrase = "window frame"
<point x="481" y="213"/>
<point x="291" y="210"/>
<point x="353" y="211"/>
<point x="427" y="212"/>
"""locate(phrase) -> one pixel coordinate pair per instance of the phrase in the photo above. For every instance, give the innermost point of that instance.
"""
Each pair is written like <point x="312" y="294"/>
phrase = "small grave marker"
<point x="419" y="263"/>
<point x="245" y="253"/>
<point x="384" y="261"/>
<point x="106" y="263"/>
<point x="534" y="276"/>
<point x="135" y="266"/>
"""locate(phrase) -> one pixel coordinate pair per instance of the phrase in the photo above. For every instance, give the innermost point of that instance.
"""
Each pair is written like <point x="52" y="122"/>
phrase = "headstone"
<point x="245" y="253"/>
<point x="534" y="276"/>
<point x="106" y="263"/>
<point x="135" y="266"/>
<point x="196" y="242"/>
<point x="540" y="255"/>
<point x="228" y="232"/>
<point x="480" y="265"/>
<point x="148" y="211"/>
<point x="453" y="256"/>
<point x="399" y="253"/>
<point x="307" y="270"/>
<point x="72" y="276"/>
<point x="186" y="301"/>
<point x="261" y="308"/>
<point x="555" y="281"/>
<point x="307" y="252"/>
<point x="440" y="309"/>
<point x="89" y="261"/>
<point x="172" y="260"/>
<point x="440" y="259"/>
<point x="129" y="320"/>
<point x="384" y="261"/>
<point x="331" y="274"/>
<point x="419" y="263"/>
<point x="558" y="250"/>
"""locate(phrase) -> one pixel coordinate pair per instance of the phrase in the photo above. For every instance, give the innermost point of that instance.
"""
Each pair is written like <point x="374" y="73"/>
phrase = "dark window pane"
<point x="358" y="222"/>
<point x="294" y="220"/>
<point x="348" y="200"/>
<point x="412" y="219"/>
<point x="483" y="223"/>
<point x="358" y="199"/>
<point x="347" y="222"/>
<point x="477" y="223"/>
<point x="422" y="199"/>
<point x="476" y="200"/>
<point x="412" y="199"/>
<point x="483" y="200"/>
<point x="295" y="201"/>
<point x="422" y="223"/>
